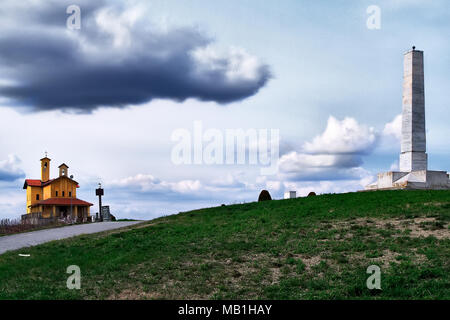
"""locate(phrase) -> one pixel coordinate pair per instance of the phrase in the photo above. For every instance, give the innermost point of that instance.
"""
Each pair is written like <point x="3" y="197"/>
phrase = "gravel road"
<point x="28" y="239"/>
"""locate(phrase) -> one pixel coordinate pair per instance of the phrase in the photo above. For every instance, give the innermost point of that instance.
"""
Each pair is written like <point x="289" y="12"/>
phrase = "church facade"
<point x="54" y="198"/>
<point x="413" y="173"/>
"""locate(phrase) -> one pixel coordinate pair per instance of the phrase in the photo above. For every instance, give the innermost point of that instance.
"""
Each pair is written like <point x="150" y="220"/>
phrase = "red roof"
<point x="63" y="202"/>
<point x="36" y="183"/>
<point x="39" y="183"/>
<point x="33" y="183"/>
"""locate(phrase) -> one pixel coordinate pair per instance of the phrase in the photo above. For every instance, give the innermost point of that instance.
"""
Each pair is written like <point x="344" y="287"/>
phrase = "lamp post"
<point x="71" y="177"/>
<point x="99" y="192"/>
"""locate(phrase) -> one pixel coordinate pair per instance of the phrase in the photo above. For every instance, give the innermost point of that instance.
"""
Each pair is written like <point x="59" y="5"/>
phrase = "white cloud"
<point x="295" y="161"/>
<point x="229" y="181"/>
<point x="273" y="185"/>
<point x="148" y="183"/>
<point x="12" y="203"/>
<point x="394" y="128"/>
<point x="119" y="24"/>
<point x="345" y="136"/>
<point x="10" y="168"/>
<point x="186" y="186"/>
<point x="333" y="155"/>
<point x="237" y="64"/>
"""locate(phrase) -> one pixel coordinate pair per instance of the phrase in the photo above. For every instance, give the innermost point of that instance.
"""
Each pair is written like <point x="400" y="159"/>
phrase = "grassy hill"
<point x="306" y="248"/>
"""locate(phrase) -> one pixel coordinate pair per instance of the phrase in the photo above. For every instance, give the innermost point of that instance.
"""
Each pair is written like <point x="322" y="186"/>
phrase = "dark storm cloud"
<point x="10" y="176"/>
<point x="110" y="63"/>
<point x="9" y="169"/>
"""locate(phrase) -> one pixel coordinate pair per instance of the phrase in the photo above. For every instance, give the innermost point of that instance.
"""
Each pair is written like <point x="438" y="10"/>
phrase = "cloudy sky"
<point x="107" y="98"/>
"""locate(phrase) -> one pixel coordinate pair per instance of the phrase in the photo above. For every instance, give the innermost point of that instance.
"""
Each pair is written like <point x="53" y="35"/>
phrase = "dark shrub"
<point x="311" y="194"/>
<point x="264" y="196"/>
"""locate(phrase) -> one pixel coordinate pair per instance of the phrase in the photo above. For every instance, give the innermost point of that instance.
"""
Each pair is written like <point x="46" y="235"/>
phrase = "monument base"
<point x="420" y="180"/>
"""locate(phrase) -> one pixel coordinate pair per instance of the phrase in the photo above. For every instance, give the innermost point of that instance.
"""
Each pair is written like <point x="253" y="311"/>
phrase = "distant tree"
<point x="311" y="194"/>
<point x="264" y="196"/>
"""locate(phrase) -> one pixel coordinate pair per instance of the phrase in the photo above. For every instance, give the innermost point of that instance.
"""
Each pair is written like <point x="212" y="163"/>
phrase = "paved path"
<point x="28" y="239"/>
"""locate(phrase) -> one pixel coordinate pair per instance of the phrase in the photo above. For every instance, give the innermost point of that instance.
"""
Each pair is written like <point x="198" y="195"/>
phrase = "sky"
<point x="118" y="96"/>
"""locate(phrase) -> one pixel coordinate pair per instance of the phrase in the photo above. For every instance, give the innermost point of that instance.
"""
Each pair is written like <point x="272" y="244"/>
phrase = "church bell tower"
<point x="45" y="168"/>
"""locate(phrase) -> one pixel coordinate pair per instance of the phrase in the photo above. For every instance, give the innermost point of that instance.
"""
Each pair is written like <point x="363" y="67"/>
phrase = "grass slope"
<point x="305" y="248"/>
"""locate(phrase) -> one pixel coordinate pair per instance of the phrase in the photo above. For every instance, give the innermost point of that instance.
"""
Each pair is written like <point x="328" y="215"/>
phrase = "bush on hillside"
<point x="264" y="196"/>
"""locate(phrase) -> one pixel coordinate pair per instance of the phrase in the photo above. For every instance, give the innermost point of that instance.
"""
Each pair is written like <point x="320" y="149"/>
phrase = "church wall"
<point x="65" y="185"/>
<point x="31" y="196"/>
<point x="47" y="192"/>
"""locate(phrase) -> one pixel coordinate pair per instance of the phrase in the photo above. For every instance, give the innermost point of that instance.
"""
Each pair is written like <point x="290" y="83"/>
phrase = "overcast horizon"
<point x="107" y="98"/>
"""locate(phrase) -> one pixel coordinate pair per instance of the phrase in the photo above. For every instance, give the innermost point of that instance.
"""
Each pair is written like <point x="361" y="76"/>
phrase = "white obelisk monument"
<point x="413" y="172"/>
<point x="413" y="144"/>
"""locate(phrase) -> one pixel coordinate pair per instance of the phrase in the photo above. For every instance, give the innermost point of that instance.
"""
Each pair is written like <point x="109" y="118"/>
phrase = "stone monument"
<point x="106" y="214"/>
<point x="413" y="173"/>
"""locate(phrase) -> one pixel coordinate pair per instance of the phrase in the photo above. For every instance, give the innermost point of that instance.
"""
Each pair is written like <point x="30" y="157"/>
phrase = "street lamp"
<point x="99" y="192"/>
<point x="71" y="196"/>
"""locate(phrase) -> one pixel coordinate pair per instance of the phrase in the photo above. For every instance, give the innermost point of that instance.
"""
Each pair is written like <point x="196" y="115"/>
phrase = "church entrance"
<point x="63" y="213"/>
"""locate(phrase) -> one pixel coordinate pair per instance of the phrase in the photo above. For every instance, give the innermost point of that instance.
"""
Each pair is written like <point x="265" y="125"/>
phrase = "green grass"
<point x="307" y="248"/>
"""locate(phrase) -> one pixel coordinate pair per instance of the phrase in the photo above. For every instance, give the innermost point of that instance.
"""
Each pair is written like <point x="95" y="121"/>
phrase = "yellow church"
<point x="55" y="198"/>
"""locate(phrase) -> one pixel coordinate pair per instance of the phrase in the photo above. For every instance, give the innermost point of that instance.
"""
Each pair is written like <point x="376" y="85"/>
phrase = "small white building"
<point x="290" y="195"/>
